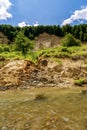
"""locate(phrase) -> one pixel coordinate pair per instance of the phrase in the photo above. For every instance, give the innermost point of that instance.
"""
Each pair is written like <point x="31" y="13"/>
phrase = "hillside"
<point x="46" y="40"/>
<point x="49" y="64"/>
<point x="3" y="38"/>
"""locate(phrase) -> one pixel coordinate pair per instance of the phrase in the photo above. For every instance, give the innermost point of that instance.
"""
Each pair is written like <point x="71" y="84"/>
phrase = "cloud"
<point x="36" y="24"/>
<point x="23" y="24"/>
<point x="77" y="16"/>
<point x="4" y="7"/>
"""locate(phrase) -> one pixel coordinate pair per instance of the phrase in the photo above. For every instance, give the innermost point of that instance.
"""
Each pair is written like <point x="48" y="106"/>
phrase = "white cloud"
<point x="23" y="24"/>
<point x="76" y="16"/>
<point x="36" y="24"/>
<point x="4" y="6"/>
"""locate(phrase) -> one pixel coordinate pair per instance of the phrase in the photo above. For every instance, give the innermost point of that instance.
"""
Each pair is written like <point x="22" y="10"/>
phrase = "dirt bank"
<point x="48" y="72"/>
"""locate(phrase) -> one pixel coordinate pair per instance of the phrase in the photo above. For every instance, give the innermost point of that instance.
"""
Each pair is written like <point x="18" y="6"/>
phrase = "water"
<point x="61" y="109"/>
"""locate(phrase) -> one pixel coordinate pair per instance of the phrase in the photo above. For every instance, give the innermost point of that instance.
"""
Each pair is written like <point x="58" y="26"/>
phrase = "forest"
<point x="78" y="31"/>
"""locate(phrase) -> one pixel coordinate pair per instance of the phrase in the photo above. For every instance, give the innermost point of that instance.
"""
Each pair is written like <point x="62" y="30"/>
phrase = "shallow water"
<point x="61" y="109"/>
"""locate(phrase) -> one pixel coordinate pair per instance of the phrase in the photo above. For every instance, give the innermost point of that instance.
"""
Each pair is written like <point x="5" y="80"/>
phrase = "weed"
<point x="79" y="82"/>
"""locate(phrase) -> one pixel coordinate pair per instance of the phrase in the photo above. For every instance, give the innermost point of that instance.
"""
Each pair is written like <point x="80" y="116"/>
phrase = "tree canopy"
<point x="78" y="31"/>
<point x="23" y="43"/>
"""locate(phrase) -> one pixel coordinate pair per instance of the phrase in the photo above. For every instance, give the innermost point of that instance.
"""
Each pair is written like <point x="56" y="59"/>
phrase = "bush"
<point x="79" y="82"/>
<point x="1" y="50"/>
<point x="69" y="41"/>
<point x="6" y="48"/>
<point x="64" y="49"/>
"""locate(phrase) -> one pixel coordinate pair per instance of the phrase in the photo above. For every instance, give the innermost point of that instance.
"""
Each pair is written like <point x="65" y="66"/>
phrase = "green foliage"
<point x="78" y="31"/>
<point x="31" y="36"/>
<point x="69" y="41"/>
<point x="85" y="37"/>
<point x="6" y="48"/>
<point x="9" y="31"/>
<point x="22" y="43"/>
<point x="79" y="82"/>
<point x="66" y="29"/>
<point x="64" y="49"/>
<point x="1" y="50"/>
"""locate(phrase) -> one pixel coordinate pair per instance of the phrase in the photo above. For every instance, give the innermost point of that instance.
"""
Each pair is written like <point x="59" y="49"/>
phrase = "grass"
<point x="56" y="52"/>
<point x="62" y="109"/>
<point x="60" y="51"/>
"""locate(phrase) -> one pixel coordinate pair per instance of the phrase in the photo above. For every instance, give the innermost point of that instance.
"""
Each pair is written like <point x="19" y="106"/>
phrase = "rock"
<point x="84" y="91"/>
<point x="2" y="59"/>
<point x="4" y="128"/>
<point x="65" y="119"/>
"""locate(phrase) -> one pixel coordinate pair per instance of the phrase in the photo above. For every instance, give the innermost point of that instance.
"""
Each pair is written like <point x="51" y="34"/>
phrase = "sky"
<point x="43" y="12"/>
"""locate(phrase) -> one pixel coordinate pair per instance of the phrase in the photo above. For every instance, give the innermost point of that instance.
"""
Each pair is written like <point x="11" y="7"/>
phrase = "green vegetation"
<point x="4" y="48"/>
<point x="23" y="44"/>
<point x="79" y="82"/>
<point x="78" y="31"/>
<point x="74" y="52"/>
<point x="69" y="41"/>
<point x="67" y="52"/>
<point x="63" y="109"/>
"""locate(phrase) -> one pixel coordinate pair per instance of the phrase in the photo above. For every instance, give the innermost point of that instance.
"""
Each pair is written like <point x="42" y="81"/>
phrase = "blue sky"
<point x="43" y="12"/>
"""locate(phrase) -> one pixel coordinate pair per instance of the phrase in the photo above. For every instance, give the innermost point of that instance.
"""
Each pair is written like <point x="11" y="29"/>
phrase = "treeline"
<point x="78" y="31"/>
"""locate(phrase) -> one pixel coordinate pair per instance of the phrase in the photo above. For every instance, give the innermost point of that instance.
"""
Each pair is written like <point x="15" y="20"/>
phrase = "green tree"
<point x="66" y="29"/>
<point x="85" y="37"/>
<point x="81" y="34"/>
<point x="23" y="43"/>
<point x="70" y="40"/>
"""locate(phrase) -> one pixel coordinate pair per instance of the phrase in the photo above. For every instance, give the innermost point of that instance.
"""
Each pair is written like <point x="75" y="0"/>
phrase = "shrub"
<point x="1" y="50"/>
<point x="79" y="82"/>
<point x="6" y="48"/>
<point x="64" y="49"/>
<point x="69" y="40"/>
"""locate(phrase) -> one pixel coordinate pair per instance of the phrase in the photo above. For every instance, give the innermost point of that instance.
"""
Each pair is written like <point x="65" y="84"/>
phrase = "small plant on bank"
<point x="64" y="49"/>
<point x="79" y="82"/>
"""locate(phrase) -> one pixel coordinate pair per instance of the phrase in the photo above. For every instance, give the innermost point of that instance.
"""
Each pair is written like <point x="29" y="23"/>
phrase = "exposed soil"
<point x="3" y="38"/>
<point x="45" y="40"/>
<point x="48" y="72"/>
